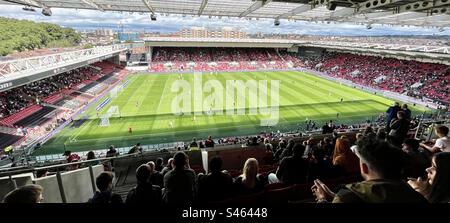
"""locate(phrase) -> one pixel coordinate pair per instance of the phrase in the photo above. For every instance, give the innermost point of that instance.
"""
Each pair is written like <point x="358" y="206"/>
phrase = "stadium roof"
<point x="433" y="13"/>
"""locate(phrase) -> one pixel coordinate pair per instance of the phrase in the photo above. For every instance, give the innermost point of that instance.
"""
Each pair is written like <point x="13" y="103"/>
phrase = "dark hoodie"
<point x="144" y="194"/>
<point x="106" y="197"/>
<point x="378" y="191"/>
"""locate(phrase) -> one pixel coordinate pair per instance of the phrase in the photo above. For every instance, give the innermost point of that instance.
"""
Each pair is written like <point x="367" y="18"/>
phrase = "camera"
<point x="46" y="11"/>
<point x="276" y="22"/>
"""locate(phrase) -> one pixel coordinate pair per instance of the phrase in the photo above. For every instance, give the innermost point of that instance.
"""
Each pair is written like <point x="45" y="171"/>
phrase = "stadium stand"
<point x="36" y="118"/>
<point x="21" y="102"/>
<point x="413" y="78"/>
<point x="42" y="105"/>
<point x="16" y="117"/>
<point x="416" y="79"/>
<point x="215" y="59"/>
<point x="125" y="166"/>
<point x="54" y="99"/>
<point x="8" y="139"/>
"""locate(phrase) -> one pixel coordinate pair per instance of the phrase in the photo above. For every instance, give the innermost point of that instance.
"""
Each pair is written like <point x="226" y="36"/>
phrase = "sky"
<point x="90" y="19"/>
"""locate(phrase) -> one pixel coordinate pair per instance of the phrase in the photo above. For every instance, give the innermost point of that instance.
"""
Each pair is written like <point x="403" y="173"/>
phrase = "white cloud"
<point x="90" y="19"/>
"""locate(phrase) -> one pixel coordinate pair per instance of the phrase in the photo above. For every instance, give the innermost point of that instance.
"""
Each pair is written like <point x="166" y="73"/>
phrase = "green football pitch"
<point x="145" y="105"/>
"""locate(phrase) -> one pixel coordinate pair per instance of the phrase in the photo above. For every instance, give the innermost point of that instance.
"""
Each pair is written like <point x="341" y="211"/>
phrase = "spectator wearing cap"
<point x="71" y="157"/>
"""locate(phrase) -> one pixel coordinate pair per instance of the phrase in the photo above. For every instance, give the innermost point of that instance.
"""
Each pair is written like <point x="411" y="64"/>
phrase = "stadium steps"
<point x="56" y="106"/>
<point x="85" y="93"/>
<point x="8" y="139"/>
<point x="8" y="130"/>
<point x="123" y="190"/>
<point x="105" y="77"/>
<point x="281" y="57"/>
<point x="53" y="99"/>
<point x="36" y="118"/>
<point x="13" y="119"/>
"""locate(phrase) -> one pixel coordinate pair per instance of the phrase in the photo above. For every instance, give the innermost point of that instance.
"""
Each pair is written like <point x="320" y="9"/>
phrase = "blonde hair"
<point x="250" y="169"/>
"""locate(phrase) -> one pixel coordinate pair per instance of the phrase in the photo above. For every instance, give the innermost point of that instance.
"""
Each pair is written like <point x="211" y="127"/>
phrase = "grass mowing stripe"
<point x="300" y="97"/>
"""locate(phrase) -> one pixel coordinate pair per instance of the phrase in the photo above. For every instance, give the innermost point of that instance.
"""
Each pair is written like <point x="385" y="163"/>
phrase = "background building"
<point x="202" y="32"/>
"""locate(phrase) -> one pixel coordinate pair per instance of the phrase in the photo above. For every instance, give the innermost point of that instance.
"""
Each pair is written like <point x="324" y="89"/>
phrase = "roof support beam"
<point x="255" y="6"/>
<point x="403" y="17"/>
<point x="342" y="13"/>
<point x="150" y="7"/>
<point x="295" y="11"/>
<point x="202" y="7"/>
<point x="373" y="4"/>
<point x="423" y="5"/>
<point x="304" y="8"/>
<point x="93" y="5"/>
<point x="34" y="3"/>
<point x="436" y="18"/>
<point x="440" y="10"/>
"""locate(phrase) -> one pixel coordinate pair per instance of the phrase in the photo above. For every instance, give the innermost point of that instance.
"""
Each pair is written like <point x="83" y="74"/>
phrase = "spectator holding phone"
<point x="381" y="167"/>
<point x="437" y="187"/>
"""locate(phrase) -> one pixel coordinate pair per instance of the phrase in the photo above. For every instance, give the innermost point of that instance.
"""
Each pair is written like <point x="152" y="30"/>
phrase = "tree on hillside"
<point x="21" y="35"/>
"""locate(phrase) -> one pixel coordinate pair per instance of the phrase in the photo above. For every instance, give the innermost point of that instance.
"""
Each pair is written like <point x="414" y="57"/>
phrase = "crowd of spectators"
<point x="380" y="40"/>
<point x="388" y="172"/>
<point x="410" y="77"/>
<point x="416" y="79"/>
<point x="17" y="99"/>
<point x="218" y="59"/>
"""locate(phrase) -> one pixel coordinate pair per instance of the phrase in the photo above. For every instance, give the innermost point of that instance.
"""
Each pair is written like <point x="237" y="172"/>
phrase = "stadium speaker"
<point x="276" y="22"/>
<point x="28" y="8"/>
<point x="47" y="11"/>
<point x="128" y="55"/>
<point x="153" y="17"/>
<point x="332" y="6"/>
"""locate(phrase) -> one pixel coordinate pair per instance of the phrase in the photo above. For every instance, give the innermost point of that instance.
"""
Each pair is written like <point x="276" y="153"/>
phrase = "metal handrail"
<point x="18" y="170"/>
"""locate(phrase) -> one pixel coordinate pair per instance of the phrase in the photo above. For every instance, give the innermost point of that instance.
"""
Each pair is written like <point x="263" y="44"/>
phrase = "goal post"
<point x="115" y="91"/>
<point x="104" y="121"/>
<point x="113" y="111"/>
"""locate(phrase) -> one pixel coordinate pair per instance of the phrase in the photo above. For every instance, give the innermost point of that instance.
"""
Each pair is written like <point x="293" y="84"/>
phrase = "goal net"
<point x="113" y="111"/>
<point x="115" y="91"/>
